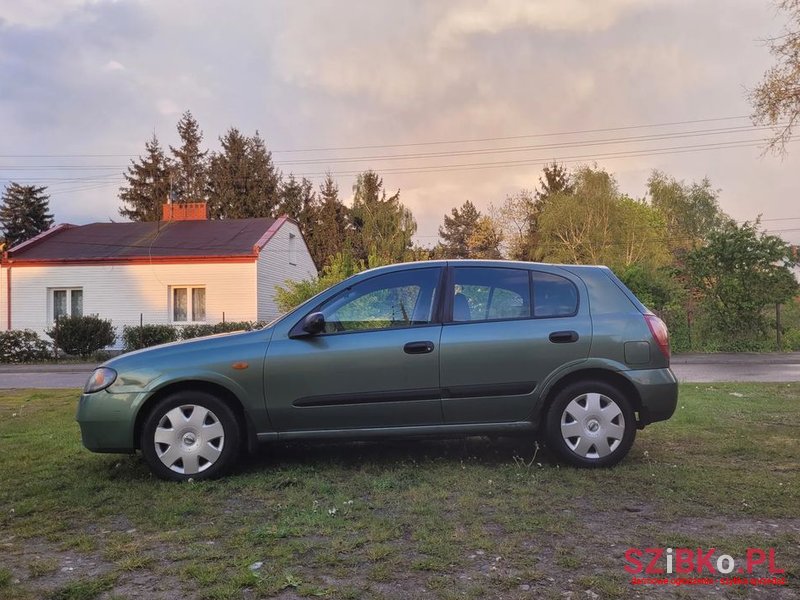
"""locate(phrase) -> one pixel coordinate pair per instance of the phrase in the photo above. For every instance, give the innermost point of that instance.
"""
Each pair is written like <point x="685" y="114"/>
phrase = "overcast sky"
<point x="98" y="77"/>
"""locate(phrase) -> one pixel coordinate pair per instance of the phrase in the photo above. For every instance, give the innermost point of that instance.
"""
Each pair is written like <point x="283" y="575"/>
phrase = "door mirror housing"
<point x="314" y="323"/>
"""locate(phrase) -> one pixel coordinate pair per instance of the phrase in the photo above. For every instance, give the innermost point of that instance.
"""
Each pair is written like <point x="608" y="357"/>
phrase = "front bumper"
<point x="107" y="421"/>
<point x="658" y="390"/>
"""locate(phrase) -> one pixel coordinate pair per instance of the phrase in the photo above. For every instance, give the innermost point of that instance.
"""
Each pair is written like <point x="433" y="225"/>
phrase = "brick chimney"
<point x="187" y="211"/>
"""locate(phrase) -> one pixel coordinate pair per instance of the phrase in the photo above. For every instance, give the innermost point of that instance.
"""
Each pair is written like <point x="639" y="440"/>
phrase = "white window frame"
<point x="189" y="312"/>
<point x="51" y="301"/>
<point x="292" y="249"/>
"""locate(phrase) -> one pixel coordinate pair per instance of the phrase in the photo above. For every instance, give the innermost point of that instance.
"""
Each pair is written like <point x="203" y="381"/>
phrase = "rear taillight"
<point x="659" y="330"/>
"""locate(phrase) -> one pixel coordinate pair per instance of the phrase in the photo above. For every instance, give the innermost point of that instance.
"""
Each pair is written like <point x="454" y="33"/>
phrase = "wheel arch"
<point x="613" y="378"/>
<point x="246" y="425"/>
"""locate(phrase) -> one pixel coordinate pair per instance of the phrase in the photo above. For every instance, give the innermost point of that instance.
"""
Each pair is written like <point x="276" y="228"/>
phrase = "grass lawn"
<point x="414" y="519"/>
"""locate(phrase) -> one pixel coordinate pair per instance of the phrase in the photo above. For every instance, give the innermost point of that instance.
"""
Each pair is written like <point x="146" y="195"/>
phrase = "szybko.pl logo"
<point x="703" y="566"/>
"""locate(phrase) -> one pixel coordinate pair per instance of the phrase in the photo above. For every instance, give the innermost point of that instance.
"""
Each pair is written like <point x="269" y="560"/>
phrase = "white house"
<point x="183" y="269"/>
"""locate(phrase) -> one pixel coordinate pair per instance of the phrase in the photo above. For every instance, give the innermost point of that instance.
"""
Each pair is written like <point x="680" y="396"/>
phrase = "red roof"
<point x="162" y="241"/>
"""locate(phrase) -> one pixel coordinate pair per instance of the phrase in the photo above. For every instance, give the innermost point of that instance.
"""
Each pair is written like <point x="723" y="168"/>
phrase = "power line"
<point x="440" y="154"/>
<point x="643" y="153"/>
<point x="422" y="143"/>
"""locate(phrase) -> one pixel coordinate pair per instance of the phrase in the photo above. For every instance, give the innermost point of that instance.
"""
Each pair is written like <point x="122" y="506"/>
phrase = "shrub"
<point x="81" y="336"/>
<point x="23" y="345"/>
<point x="193" y="331"/>
<point x="135" y="337"/>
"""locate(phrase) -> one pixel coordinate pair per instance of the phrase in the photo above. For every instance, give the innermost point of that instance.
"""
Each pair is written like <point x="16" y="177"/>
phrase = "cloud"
<point x="38" y="13"/>
<point x="495" y="16"/>
<point x="113" y="65"/>
<point x="354" y="73"/>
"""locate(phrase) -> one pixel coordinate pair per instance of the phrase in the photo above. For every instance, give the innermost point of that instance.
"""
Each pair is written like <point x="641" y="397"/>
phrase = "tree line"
<point x="708" y="276"/>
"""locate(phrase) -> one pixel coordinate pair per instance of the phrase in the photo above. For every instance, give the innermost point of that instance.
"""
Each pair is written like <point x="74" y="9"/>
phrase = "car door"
<point x="375" y="365"/>
<point x="506" y="331"/>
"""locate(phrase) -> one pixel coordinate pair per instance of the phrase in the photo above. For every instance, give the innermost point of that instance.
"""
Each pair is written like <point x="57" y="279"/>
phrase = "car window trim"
<point x="447" y="317"/>
<point x="435" y="313"/>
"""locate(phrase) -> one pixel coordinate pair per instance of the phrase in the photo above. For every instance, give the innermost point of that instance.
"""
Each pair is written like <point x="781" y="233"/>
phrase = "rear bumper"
<point x="658" y="390"/>
<point x="107" y="421"/>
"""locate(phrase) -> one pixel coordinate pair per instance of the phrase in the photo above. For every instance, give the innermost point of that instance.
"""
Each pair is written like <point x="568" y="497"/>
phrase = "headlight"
<point x="100" y="379"/>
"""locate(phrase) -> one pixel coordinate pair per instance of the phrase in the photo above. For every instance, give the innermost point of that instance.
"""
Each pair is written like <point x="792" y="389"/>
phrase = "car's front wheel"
<point x="591" y="424"/>
<point x="190" y="435"/>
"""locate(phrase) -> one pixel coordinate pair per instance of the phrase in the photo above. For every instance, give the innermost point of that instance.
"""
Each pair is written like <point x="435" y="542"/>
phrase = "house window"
<point x="66" y="302"/>
<point x="292" y="249"/>
<point x="188" y="304"/>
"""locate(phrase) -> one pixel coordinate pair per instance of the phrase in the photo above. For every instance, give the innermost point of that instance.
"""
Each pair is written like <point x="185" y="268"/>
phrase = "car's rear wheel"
<point x="190" y="435"/>
<point x="591" y="424"/>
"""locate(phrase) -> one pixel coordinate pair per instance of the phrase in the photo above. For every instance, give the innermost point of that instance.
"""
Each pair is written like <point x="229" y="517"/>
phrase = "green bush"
<point x="188" y="332"/>
<point x="135" y="337"/>
<point x="81" y="336"/>
<point x="23" y="345"/>
<point x="193" y="331"/>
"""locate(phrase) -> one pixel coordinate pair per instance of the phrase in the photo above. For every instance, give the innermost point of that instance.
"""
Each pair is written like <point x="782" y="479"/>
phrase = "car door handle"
<point x="418" y="347"/>
<point x="564" y="337"/>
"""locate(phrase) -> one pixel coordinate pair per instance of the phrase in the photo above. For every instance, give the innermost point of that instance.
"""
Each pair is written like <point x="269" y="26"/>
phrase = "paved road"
<point x="708" y="368"/>
<point x="702" y="368"/>
<point x="44" y="376"/>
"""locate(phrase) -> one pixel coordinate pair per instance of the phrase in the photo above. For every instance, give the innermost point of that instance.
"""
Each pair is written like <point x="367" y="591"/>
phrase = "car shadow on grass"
<point x="480" y="450"/>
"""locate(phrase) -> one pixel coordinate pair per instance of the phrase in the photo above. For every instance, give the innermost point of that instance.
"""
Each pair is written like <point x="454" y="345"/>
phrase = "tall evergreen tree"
<point x="298" y="202"/>
<point x="189" y="162"/>
<point x="328" y="235"/>
<point x="24" y="213"/>
<point x="457" y="229"/>
<point x="556" y="180"/>
<point x="382" y="226"/>
<point x="147" y="185"/>
<point x="242" y="180"/>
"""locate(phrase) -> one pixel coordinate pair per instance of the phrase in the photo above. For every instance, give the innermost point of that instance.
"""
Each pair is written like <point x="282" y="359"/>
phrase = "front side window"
<point x="66" y="302"/>
<point x="188" y="304"/>
<point x="489" y="294"/>
<point x="401" y="299"/>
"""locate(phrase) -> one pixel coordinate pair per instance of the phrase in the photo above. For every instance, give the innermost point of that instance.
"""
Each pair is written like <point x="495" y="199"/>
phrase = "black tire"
<point x="206" y="433"/>
<point x="609" y="443"/>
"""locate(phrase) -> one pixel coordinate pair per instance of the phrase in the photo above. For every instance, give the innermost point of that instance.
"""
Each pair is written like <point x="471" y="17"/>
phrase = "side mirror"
<point x="314" y="323"/>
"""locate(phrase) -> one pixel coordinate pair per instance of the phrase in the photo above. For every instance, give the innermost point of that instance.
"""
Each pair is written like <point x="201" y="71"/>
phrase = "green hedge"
<point x="82" y="336"/>
<point x="23" y="345"/>
<point x="194" y="331"/>
<point x="143" y="336"/>
<point x="135" y="337"/>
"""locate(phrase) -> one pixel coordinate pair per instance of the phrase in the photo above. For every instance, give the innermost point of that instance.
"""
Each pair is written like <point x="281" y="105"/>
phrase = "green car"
<point x="437" y="348"/>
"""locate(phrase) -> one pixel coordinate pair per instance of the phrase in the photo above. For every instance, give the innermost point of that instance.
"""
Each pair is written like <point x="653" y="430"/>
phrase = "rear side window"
<point x="553" y="295"/>
<point x="488" y="294"/>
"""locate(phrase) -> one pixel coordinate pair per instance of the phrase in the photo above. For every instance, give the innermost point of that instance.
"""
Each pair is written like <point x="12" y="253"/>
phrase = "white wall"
<point x="122" y="292"/>
<point x="3" y="300"/>
<point x="274" y="267"/>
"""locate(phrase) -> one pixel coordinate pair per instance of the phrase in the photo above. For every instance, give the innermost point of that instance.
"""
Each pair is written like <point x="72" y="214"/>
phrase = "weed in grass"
<point x="84" y="589"/>
<point x="5" y="577"/>
<point x="605" y="586"/>
<point x="39" y="567"/>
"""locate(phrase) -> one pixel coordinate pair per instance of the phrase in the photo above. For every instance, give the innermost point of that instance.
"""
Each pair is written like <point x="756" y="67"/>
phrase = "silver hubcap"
<point x="592" y="425"/>
<point x="189" y="439"/>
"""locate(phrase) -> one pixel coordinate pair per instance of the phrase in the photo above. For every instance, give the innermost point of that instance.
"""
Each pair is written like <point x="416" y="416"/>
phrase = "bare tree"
<point x="776" y="100"/>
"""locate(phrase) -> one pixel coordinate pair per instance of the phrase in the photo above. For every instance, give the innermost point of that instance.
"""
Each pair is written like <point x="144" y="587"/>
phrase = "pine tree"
<point x="242" y="180"/>
<point x="147" y="185"/>
<point x="382" y="226"/>
<point x="265" y="178"/>
<point x="189" y="162"/>
<point x="24" y="213"/>
<point x="328" y="234"/>
<point x="556" y="180"/>
<point x="298" y="202"/>
<point x="457" y="229"/>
